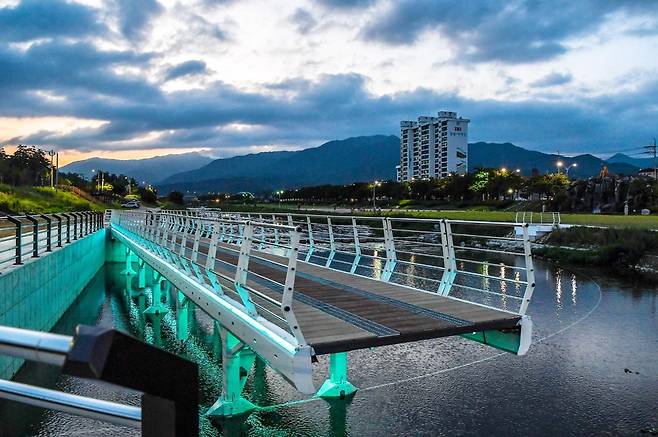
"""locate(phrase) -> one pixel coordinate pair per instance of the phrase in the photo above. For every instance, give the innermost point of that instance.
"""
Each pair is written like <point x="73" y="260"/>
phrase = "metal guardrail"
<point x="169" y="383"/>
<point x="32" y="235"/>
<point x="175" y="232"/>
<point x="545" y="218"/>
<point x="480" y="262"/>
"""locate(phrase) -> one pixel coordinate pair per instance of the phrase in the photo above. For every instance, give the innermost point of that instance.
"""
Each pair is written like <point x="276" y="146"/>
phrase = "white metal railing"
<point x="482" y="262"/>
<point x="32" y="235"/>
<point x="545" y="218"/>
<point x="195" y="244"/>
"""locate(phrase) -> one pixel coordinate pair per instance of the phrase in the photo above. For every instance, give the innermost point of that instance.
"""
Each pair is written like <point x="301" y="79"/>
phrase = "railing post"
<point x="332" y="244"/>
<point x="311" y="243"/>
<point x="242" y="270"/>
<point x="530" y="271"/>
<point x="75" y="226"/>
<point x="389" y="243"/>
<point x="357" y="247"/>
<point x="68" y="227"/>
<point x="19" y="239"/>
<point x="35" y="235"/>
<point x="289" y="286"/>
<point x="212" y="248"/>
<point x="49" y="221"/>
<point x="449" y="262"/>
<point x="59" y="229"/>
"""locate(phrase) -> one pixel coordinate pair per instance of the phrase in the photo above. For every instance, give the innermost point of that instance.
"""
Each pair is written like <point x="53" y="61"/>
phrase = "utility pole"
<point x="651" y="150"/>
<point x="51" y="153"/>
<point x="56" y="170"/>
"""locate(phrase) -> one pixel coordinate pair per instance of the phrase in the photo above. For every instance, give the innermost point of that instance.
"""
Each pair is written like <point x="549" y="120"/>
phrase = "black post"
<point x="59" y="230"/>
<point x="35" y="235"/>
<point x="49" y="221"/>
<point x="68" y="227"/>
<point x="75" y="226"/>
<point x="19" y="238"/>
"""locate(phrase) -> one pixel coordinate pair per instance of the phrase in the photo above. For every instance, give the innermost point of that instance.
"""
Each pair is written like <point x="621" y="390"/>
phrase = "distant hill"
<point x="359" y="159"/>
<point x="637" y="162"/>
<point x="335" y="162"/>
<point x="152" y="170"/>
<point x="513" y="157"/>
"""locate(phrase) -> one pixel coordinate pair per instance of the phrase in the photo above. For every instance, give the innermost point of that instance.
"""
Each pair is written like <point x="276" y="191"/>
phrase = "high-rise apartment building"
<point x="433" y="147"/>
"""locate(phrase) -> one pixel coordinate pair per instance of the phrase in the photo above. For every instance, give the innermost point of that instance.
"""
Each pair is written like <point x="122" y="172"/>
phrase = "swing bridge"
<point x="290" y="287"/>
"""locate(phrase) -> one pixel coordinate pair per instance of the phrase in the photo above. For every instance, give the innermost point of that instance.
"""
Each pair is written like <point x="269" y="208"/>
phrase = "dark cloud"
<point x="552" y="79"/>
<point x="35" y="19"/>
<point x="516" y="32"/>
<point x="185" y="68"/>
<point x="303" y="20"/>
<point x="338" y="106"/>
<point x="72" y="71"/>
<point x="135" y="15"/>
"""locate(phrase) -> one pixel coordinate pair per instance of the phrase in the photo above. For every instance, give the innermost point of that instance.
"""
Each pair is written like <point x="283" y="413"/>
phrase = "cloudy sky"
<point x="129" y="78"/>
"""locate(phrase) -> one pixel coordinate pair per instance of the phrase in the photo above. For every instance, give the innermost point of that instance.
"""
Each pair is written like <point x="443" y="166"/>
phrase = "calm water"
<point x="588" y="330"/>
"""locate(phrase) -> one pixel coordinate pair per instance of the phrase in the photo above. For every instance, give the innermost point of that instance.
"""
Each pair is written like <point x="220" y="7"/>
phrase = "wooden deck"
<point x="338" y="311"/>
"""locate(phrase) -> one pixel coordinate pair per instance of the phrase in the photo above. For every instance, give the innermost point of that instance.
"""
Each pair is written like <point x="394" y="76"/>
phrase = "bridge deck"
<point x="339" y="311"/>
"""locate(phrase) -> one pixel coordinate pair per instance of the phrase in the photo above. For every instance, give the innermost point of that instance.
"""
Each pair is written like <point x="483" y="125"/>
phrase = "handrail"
<point x="43" y="233"/>
<point x="457" y="251"/>
<point x="100" y="353"/>
<point x="176" y="231"/>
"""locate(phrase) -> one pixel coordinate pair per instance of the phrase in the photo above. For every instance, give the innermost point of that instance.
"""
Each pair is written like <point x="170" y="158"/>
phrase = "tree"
<point x="147" y="194"/>
<point x="4" y="165"/>
<point x="28" y="166"/>
<point x="176" y="197"/>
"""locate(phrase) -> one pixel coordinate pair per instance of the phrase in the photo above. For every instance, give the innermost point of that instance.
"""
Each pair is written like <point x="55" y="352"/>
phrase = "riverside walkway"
<point x="290" y="287"/>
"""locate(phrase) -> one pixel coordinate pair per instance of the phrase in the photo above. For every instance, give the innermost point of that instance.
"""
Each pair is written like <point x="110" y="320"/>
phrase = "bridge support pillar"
<point x="237" y="361"/>
<point x="182" y="316"/>
<point x="337" y="385"/>
<point x="156" y="309"/>
<point x="128" y="271"/>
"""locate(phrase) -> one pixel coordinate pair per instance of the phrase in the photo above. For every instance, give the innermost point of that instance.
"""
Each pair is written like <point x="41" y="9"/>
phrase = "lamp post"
<point x="575" y="164"/>
<point x="559" y="165"/>
<point x="374" y="186"/>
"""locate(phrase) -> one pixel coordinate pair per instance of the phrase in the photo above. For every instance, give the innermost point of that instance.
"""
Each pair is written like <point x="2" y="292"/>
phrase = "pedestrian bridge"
<point x="291" y="287"/>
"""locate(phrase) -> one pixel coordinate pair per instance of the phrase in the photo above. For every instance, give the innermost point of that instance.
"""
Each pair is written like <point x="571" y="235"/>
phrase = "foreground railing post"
<point x="49" y="222"/>
<point x="19" y="239"/>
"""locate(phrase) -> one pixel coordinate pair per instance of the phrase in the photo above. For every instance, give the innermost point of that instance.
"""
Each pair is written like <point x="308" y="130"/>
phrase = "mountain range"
<point x="150" y="170"/>
<point x="354" y="159"/>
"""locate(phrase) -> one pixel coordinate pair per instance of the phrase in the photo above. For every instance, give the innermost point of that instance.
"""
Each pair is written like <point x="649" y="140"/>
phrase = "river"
<point x="592" y="370"/>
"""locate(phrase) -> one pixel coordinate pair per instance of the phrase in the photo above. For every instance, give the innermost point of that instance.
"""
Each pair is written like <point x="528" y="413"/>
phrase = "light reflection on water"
<point x="571" y="383"/>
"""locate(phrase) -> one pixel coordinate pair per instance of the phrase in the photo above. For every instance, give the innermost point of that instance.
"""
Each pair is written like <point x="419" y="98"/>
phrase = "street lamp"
<point x="575" y="164"/>
<point x="559" y="165"/>
<point x="518" y="170"/>
<point x="374" y="186"/>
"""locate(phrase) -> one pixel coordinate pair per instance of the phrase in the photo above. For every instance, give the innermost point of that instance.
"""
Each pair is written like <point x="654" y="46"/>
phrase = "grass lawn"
<point x="42" y="200"/>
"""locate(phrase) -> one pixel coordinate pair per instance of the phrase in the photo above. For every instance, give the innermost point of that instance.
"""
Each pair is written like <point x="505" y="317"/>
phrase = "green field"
<point x="42" y="200"/>
<point x="604" y="220"/>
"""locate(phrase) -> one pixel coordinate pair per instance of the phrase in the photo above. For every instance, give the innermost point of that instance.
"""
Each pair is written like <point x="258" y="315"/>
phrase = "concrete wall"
<point x="36" y="294"/>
